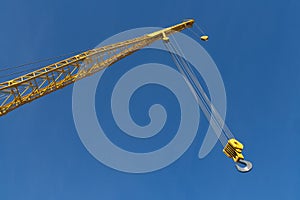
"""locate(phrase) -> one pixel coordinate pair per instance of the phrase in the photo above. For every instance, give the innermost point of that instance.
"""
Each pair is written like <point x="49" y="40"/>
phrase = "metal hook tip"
<point x="247" y="166"/>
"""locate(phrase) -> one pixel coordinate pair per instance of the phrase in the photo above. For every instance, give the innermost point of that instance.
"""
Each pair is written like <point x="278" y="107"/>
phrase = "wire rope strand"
<point x="199" y="28"/>
<point x="202" y="92"/>
<point x="200" y="101"/>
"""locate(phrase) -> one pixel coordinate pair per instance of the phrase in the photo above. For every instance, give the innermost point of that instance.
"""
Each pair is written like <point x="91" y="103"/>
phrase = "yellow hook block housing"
<point x="233" y="149"/>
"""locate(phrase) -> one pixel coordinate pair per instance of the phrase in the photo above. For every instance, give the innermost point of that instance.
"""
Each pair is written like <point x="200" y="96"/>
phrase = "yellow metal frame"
<point x="233" y="149"/>
<point x="26" y="88"/>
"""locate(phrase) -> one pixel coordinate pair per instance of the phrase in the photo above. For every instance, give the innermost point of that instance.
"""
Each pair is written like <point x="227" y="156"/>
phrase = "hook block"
<point x="233" y="149"/>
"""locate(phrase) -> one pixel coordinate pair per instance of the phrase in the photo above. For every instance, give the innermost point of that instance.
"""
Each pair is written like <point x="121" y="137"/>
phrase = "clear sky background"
<point x="256" y="47"/>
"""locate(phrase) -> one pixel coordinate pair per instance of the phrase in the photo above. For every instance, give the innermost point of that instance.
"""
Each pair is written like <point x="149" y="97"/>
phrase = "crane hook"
<point x="233" y="149"/>
<point x="247" y="166"/>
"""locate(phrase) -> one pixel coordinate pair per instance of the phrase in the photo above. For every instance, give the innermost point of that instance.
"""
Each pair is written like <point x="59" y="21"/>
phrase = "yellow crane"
<point x="26" y="88"/>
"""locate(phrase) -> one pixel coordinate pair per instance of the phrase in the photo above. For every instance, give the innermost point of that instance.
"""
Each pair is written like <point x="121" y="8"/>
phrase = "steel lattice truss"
<point x="36" y="84"/>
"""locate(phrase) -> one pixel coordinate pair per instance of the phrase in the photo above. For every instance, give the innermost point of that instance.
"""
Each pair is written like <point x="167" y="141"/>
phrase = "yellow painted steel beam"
<point x="24" y="89"/>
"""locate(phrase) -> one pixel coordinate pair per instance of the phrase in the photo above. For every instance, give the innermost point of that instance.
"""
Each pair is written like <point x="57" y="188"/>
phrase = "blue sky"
<point x="255" y="45"/>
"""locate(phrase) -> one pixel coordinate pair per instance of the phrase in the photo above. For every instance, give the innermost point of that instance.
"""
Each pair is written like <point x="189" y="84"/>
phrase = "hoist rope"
<point x="199" y="98"/>
<point x="205" y="97"/>
<point x="202" y="99"/>
<point x="199" y="28"/>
